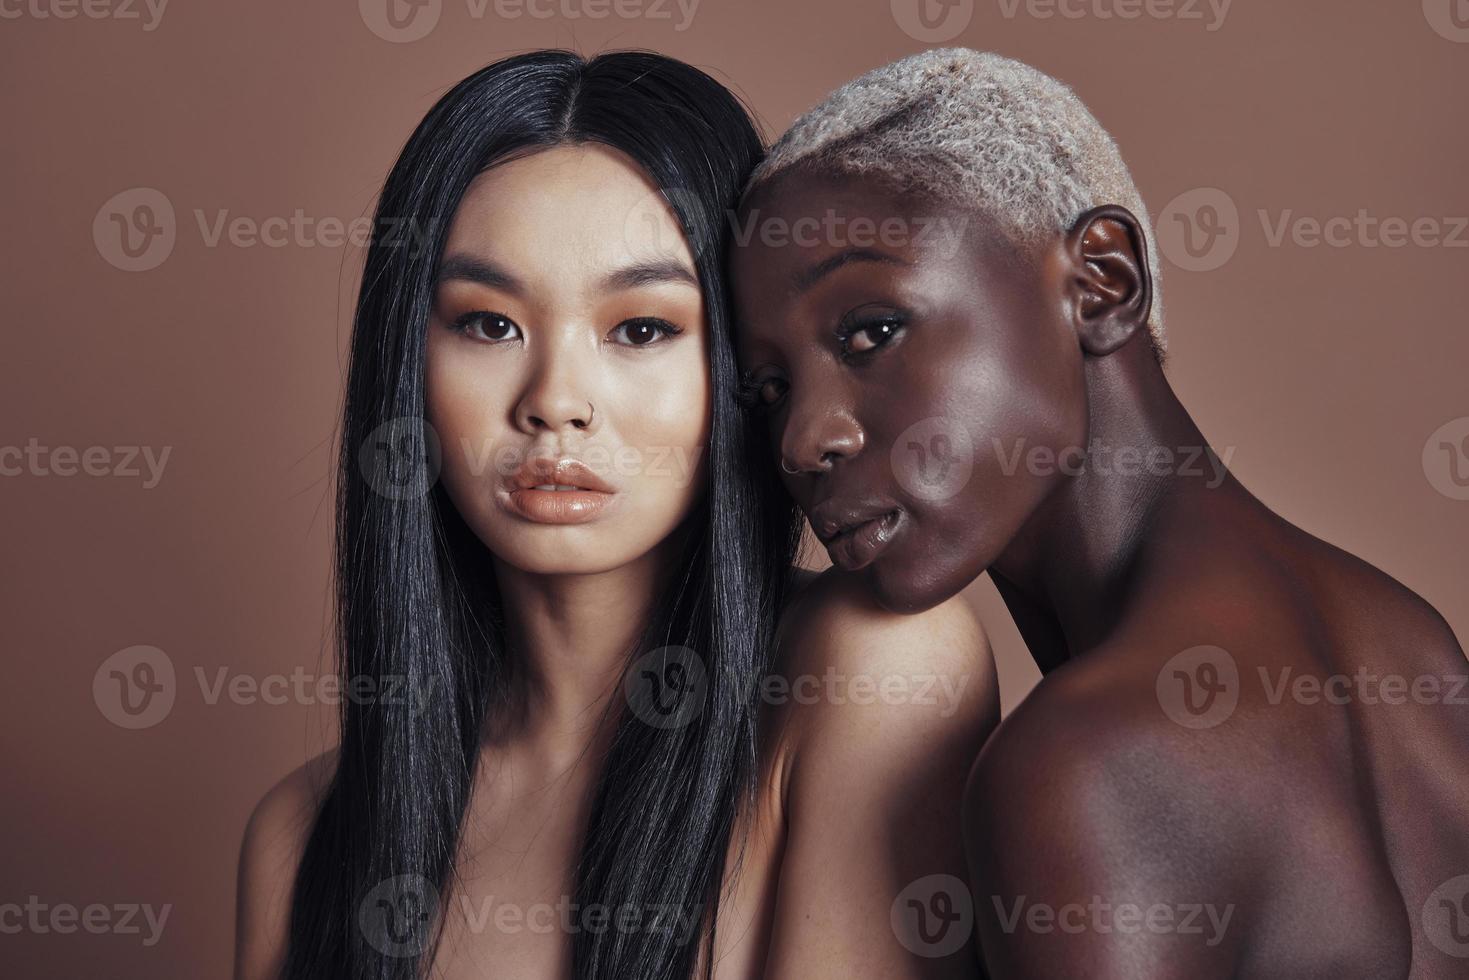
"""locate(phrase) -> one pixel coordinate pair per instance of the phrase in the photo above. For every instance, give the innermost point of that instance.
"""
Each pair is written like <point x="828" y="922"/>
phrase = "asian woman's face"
<point x="908" y="366"/>
<point x="566" y="370"/>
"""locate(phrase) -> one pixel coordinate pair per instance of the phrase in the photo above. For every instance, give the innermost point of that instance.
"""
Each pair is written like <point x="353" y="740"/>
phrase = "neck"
<point x="570" y="637"/>
<point x="1069" y="574"/>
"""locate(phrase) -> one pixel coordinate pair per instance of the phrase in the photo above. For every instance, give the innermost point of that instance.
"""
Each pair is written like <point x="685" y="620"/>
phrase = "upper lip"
<point x="832" y="518"/>
<point x="544" y="470"/>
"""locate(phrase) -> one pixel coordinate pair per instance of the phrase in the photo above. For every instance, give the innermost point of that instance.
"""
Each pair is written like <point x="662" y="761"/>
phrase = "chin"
<point x="540" y="562"/>
<point x="551" y="550"/>
<point x="901" y="588"/>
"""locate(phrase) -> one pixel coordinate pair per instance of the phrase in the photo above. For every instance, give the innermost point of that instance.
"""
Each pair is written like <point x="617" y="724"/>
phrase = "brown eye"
<point x="760" y="393"/>
<point x="487" y="326"/>
<point x="871" y="336"/>
<point x="644" y="332"/>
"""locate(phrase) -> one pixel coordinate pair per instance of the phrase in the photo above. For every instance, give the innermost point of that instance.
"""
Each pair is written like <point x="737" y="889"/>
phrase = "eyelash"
<point x="465" y="322"/>
<point x="666" y="330"/>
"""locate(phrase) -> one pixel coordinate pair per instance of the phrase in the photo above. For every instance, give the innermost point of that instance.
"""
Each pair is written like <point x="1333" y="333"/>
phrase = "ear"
<point x="1110" y="285"/>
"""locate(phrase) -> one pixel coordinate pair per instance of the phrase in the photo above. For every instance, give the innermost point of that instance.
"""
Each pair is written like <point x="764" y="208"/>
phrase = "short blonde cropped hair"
<point x="974" y="128"/>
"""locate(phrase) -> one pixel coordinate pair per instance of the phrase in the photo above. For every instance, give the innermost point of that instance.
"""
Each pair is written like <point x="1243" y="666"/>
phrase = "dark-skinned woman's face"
<point x="911" y="367"/>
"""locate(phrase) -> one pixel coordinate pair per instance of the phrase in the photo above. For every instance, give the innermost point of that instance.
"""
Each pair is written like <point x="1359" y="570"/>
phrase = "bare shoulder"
<point x="845" y="663"/>
<point x="880" y="716"/>
<point x="1159" y="757"/>
<point x="1090" y="792"/>
<point x="833" y="620"/>
<point x="1122" y="746"/>
<point x="274" y="839"/>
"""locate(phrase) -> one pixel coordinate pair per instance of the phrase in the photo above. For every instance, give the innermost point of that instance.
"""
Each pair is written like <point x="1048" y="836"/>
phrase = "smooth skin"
<point x="569" y="321"/>
<point x="1330" y="830"/>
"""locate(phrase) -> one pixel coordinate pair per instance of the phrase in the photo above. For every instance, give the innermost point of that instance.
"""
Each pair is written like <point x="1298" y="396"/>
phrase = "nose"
<point x="557" y="395"/>
<point x="816" y="436"/>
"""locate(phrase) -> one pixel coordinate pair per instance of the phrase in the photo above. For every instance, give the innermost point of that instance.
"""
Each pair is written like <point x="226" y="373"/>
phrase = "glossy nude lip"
<point x="854" y="538"/>
<point x="556" y="491"/>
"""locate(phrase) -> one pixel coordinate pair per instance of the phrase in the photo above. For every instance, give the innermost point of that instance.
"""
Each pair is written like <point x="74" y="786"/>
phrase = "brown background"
<point x="1326" y="368"/>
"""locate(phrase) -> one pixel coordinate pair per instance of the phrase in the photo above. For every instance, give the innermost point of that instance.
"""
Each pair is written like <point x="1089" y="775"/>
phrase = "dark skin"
<point x="1320" y="806"/>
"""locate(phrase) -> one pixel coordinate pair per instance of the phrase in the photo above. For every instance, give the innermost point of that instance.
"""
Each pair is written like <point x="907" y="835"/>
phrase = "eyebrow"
<point x="479" y="271"/>
<point x="806" y="278"/>
<point x="651" y="273"/>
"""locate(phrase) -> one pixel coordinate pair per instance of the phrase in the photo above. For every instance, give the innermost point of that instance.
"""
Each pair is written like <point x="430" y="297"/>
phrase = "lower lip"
<point x="557" y="506"/>
<point x="859" y="547"/>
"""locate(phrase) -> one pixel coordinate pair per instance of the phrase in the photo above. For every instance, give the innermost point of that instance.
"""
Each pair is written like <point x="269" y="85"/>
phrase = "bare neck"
<point x="1070" y="573"/>
<point x="570" y="637"/>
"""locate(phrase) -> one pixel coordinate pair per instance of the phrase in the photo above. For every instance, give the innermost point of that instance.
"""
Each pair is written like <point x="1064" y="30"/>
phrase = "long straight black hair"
<point x="417" y="604"/>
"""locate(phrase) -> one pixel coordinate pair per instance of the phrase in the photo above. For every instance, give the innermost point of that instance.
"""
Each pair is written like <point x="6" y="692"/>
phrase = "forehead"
<point x="800" y="220"/>
<point x="567" y="209"/>
<point x="809" y="246"/>
<point x="830" y="208"/>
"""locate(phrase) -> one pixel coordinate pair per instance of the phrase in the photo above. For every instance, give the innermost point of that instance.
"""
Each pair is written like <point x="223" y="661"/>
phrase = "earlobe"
<point x="1112" y="287"/>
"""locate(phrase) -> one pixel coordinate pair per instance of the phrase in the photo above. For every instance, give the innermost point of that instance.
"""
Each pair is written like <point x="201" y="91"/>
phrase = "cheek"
<point x="663" y="419"/>
<point x="970" y="451"/>
<point x="468" y="408"/>
<point x="991" y="406"/>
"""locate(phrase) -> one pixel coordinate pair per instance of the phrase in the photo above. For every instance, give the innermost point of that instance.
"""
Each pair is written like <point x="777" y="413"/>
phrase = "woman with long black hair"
<point x="561" y="562"/>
